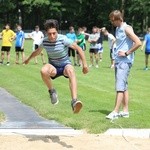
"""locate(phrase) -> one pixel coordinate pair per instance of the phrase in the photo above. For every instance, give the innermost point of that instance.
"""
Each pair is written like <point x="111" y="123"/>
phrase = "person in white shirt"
<point x="112" y="45"/>
<point x="37" y="36"/>
<point x="93" y="38"/>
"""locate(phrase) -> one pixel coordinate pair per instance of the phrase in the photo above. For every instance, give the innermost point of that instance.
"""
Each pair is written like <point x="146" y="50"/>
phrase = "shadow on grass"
<point x="100" y="111"/>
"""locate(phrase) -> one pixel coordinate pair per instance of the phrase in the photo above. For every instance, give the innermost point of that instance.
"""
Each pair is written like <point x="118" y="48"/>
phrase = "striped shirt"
<point x="57" y="51"/>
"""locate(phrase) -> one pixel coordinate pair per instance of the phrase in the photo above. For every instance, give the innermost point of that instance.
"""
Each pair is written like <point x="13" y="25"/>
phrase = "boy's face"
<point x="18" y="28"/>
<point x="37" y="29"/>
<point x="115" y="22"/>
<point x="52" y="34"/>
<point x="94" y="30"/>
<point x="7" y="27"/>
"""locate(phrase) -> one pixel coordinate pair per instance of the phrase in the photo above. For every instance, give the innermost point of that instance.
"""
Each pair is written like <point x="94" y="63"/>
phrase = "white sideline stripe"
<point x="44" y="132"/>
<point x="137" y="133"/>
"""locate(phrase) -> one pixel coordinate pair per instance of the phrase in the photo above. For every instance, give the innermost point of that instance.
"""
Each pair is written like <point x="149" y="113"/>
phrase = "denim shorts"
<point x="122" y="70"/>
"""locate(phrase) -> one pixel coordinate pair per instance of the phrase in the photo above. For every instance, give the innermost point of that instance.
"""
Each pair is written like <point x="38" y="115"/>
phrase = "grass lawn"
<point x="2" y="117"/>
<point x="96" y="91"/>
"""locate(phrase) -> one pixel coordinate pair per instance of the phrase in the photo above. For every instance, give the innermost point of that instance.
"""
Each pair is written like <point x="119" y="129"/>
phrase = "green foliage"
<point x="2" y="117"/>
<point x="36" y="2"/>
<point x="78" y="13"/>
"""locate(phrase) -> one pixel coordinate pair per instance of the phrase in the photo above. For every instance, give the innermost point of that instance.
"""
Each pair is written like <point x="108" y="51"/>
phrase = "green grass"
<point x="96" y="91"/>
<point x="2" y="117"/>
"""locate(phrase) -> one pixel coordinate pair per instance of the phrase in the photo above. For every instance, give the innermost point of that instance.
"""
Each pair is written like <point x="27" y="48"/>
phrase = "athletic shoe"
<point x="124" y="114"/>
<point x="112" y="115"/>
<point x="53" y="96"/>
<point x="112" y="66"/>
<point x="146" y="68"/>
<point x="90" y="66"/>
<point x="7" y="63"/>
<point x="97" y="66"/>
<point x="1" y="63"/>
<point x="76" y="106"/>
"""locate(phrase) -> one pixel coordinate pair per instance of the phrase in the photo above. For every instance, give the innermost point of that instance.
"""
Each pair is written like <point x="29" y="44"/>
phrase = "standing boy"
<point x="7" y="37"/>
<point x="56" y="46"/>
<point x="19" y="45"/>
<point x="126" y="43"/>
<point x="80" y="42"/>
<point x="112" y="45"/>
<point x="146" y="43"/>
<point x="36" y="36"/>
<point x="93" y="38"/>
<point x="71" y="35"/>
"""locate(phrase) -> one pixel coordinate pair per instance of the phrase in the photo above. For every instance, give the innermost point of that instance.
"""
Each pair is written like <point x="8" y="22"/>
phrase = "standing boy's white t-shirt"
<point x="37" y="36"/>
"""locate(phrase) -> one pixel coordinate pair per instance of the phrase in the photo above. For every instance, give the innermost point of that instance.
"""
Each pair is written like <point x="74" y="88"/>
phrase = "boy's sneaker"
<point x="7" y="63"/>
<point x="124" y="114"/>
<point x="97" y="66"/>
<point x="90" y="66"/>
<point x="53" y="96"/>
<point x="146" y="68"/>
<point x="76" y="106"/>
<point x="1" y="62"/>
<point x="112" y="115"/>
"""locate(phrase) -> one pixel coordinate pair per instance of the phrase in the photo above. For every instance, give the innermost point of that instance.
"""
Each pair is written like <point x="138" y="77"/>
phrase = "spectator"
<point x="7" y="37"/>
<point x="112" y="45"/>
<point x="126" y="43"/>
<point x="19" y="45"/>
<point x="93" y="38"/>
<point x="37" y="35"/>
<point x="146" y="43"/>
<point x="71" y="35"/>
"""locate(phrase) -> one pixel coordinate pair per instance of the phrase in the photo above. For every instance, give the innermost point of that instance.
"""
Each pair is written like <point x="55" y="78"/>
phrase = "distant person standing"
<point x="71" y="35"/>
<point x="100" y="44"/>
<point x="37" y="36"/>
<point x="146" y="43"/>
<point x="81" y="43"/>
<point x="19" y="45"/>
<point x="84" y="30"/>
<point x="7" y="37"/>
<point x="112" y="45"/>
<point x="93" y="38"/>
<point x="126" y="43"/>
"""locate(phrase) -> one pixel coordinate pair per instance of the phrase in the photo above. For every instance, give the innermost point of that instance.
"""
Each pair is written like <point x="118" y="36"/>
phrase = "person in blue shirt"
<point x="56" y="46"/>
<point x="146" y="44"/>
<point x="19" y="45"/>
<point x="71" y="35"/>
<point x="126" y="43"/>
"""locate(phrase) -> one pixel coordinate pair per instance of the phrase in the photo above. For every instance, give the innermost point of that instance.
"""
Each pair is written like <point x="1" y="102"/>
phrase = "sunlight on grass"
<point x="96" y="91"/>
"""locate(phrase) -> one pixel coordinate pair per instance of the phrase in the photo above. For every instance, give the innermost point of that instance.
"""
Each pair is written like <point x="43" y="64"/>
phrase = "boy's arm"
<point x="33" y="54"/>
<point x="137" y="43"/>
<point x="82" y="56"/>
<point x="13" y="36"/>
<point x="142" y="47"/>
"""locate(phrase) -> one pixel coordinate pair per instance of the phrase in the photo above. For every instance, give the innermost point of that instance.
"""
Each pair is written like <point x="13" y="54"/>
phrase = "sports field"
<point x="96" y="91"/>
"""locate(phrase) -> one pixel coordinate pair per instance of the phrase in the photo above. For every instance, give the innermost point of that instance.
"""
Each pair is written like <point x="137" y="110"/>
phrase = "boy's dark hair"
<point x="51" y="23"/>
<point x="7" y="24"/>
<point x="36" y="27"/>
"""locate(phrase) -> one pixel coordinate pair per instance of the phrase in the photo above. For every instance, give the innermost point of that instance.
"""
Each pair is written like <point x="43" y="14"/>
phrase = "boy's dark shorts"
<point x="147" y="53"/>
<point x="18" y="49"/>
<point x="92" y="50"/>
<point x="5" y="48"/>
<point x="60" y="72"/>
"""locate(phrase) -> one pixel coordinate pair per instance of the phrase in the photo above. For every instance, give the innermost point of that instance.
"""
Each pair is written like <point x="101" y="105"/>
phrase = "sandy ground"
<point x="79" y="142"/>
